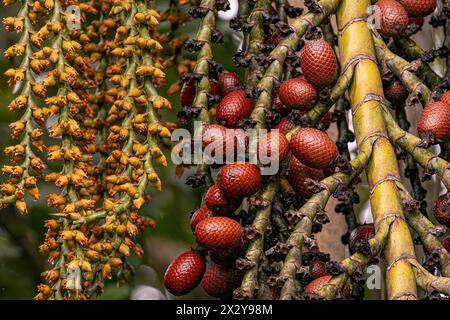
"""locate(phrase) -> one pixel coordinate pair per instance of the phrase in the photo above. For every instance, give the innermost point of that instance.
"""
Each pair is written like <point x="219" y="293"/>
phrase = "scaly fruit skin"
<point x="220" y="281"/>
<point x="435" y="119"/>
<point x="446" y="97"/>
<point x="274" y="146"/>
<point x="393" y="18"/>
<point x="362" y="232"/>
<point x="239" y="179"/>
<point x="442" y="209"/>
<point x="199" y="215"/>
<point x="313" y="148"/>
<point x="187" y="93"/>
<point x="446" y="243"/>
<point x="218" y="233"/>
<point x="317" y="268"/>
<point x="228" y="82"/>
<point x="396" y="92"/>
<point x="418" y="21"/>
<point x="232" y="108"/>
<point x="276" y="102"/>
<point x="297" y="93"/>
<point x="185" y="273"/>
<point x="218" y="203"/>
<point x="228" y="257"/>
<point x="221" y="140"/>
<point x="314" y="286"/>
<point x="297" y="175"/>
<point x="319" y="63"/>
<point x="419" y="8"/>
<point x="286" y="124"/>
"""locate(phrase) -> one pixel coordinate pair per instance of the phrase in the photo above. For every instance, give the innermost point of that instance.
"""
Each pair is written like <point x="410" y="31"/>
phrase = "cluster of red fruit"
<point x="396" y="16"/>
<point x="215" y="225"/>
<point x="434" y="121"/>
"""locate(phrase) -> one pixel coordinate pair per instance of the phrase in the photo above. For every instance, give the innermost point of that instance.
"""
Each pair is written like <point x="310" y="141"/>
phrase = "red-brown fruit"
<point x="276" y="102"/>
<point x="314" y="286"/>
<point x="326" y="120"/>
<point x="286" y="124"/>
<point x="239" y="179"/>
<point x="220" y="281"/>
<point x="418" y="21"/>
<point x="296" y="93"/>
<point x="199" y="215"/>
<point x="446" y="243"/>
<point x="362" y="232"/>
<point x="393" y="18"/>
<point x="446" y="97"/>
<point x="270" y="142"/>
<point x="218" y="233"/>
<point x="219" y="139"/>
<point x="228" y="257"/>
<point x="435" y="120"/>
<point x="313" y="148"/>
<point x="442" y="209"/>
<point x="185" y="273"/>
<point x="319" y="64"/>
<point x="396" y="92"/>
<point x="228" y="82"/>
<point x="187" y="93"/>
<point x="317" y="268"/>
<point x="232" y="108"/>
<point x="218" y="203"/>
<point x="419" y="8"/>
<point x="298" y="173"/>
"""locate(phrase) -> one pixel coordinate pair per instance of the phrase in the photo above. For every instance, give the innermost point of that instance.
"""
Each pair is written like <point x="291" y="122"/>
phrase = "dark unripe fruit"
<point x="319" y="63"/>
<point x="298" y="175"/>
<point x="419" y="8"/>
<point x="442" y="209"/>
<point x="314" y="286"/>
<point x="393" y="18"/>
<point x="239" y="179"/>
<point x="435" y="120"/>
<point x="220" y="281"/>
<point x="446" y="97"/>
<point x="233" y="108"/>
<point x="187" y="93"/>
<point x="396" y="92"/>
<point x="313" y="148"/>
<point x="185" y="273"/>
<point x="228" y="82"/>
<point x="218" y="203"/>
<point x="271" y="143"/>
<point x="362" y="232"/>
<point x="317" y="268"/>
<point x="297" y="93"/>
<point x="286" y="124"/>
<point x="199" y="215"/>
<point x="446" y="243"/>
<point x="218" y="233"/>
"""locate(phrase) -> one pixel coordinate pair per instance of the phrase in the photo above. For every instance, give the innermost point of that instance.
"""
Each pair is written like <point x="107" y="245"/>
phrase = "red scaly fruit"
<point x="239" y="179"/>
<point x="396" y="92"/>
<point x="218" y="203"/>
<point x="228" y="82"/>
<point x="297" y="175"/>
<point x="270" y="142"/>
<point x="446" y="97"/>
<point x="446" y="243"/>
<point x="185" y="273"/>
<point x="314" y="286"/>
<point x="418" y="21"/>
<point x="319" y="63"/>
<point x="276" y="102"/>
<point x="228" y="257"/>
<point x="442" y="209"/>
<point x="435" y="120"/>
<point x="220" y="281"/>
<point x="326" y="121"/>
<point x="296" y="93"/>
<point x="221" y="140"/>
<point x="286" y="124"/>
<point x="199" y="215"/>
<point x="218" y="233"/>
<point x="187" y="93"/>
<point x="362" y="232"/>
<point x="419" y="8"/>
<point x="393" y="18"/>
<point x="313" y="148"/>
<point x="317" y="268"/>
<point x="232" y="108"/>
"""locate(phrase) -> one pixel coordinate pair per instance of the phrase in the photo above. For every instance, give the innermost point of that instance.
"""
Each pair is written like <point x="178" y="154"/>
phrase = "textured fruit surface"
<point x="227" y="257"/>
<point x="286" y="124"/>
<point x="442" y="210"/>
<point x="187" y="94"/>
<point x="217" y="233"/>
<point x="296" y="93"/>
<point x="223" y="141"/>
<point x="317" y="268"/>
<point x="239" y="179"/>
<point x="396" y="92"/>
<point x="298" y="173"/>
<point x="435" y="119"/>
<point x="314" y="286"/>
<point x="362" y="232"/>
<point x="393" y="18"/>
<point x="185" y="273"/>
<point x="228" y="82"/>
<point x="220" y="281"/>
<point x="446" y="243"/>
<point x="232" y="108"/>
<point x="418" y="21"/>
<point x="199" y="215"/>
<point x="276" y="102"/>
<point x="319" y="63"/>
<point x="313" y="148"/>
<point x="274" y="146"/>
<point x="218" y="203"/>
<point x="446" y="97"/>
<point x="419" y="8"/>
